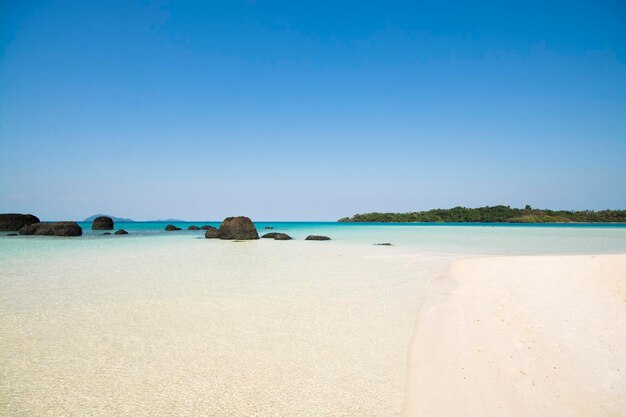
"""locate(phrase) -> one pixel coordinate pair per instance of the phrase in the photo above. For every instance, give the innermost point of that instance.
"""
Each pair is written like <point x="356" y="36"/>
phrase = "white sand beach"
<point x="522" y="336"/>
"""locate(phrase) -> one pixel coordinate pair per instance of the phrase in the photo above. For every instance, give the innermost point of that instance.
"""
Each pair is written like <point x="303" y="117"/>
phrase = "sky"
<point x="309" y="110"/>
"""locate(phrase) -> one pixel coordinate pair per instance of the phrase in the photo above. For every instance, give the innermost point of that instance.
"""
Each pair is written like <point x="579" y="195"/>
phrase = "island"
<point x="115" y="219"/>
<point x="493" y="214"/>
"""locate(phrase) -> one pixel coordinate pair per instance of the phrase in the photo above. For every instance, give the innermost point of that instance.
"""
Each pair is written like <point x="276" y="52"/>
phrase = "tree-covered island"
<point x="494" y="214"/>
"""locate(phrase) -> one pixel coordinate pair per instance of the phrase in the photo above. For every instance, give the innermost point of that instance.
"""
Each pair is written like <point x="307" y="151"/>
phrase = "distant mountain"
<point x="115" y="219"/>
<point x="169" y="220"/>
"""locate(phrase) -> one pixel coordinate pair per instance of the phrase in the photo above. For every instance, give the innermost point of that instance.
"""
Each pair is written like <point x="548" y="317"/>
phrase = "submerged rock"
<point x="317" y="237"/>
<point x="277" y="236"/>
<point x="121" y="232"/>
<point x="52" y="229"/>
<point x="12" y="234"/>
<point x="383" y="244"/>
<point x="14" y="221"/>
<point x="237" y="228"/>
<point x="206" y="227"/>
<point x="105" y="234"/>
<point x="193" y="228"/>
<point x="102" y="223"/>
<point x="171" y="228"/>
<point x="211" y="232"/>
<point x="269" y="227"/>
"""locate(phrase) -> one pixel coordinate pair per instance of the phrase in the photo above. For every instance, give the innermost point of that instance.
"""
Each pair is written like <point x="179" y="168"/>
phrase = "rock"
<point x="171" y="227"/>
<point x="10" y="222"/>
<point x="383" y="244"/>
<point x="269" y="227"/>
<point x="211" y="232"/>
<point x="52" y="229"/>
<point x="105" y="234"/>
<point x="12" y="234"/>
<point x="206" y="227"/>
<point x="193" y="228"/>
<point x="102" y="223"/>
<point x="121" y="232"/>
<point x="277" y="236"/>
<point x="237" y="228"/>
<point x="316" y="237"/>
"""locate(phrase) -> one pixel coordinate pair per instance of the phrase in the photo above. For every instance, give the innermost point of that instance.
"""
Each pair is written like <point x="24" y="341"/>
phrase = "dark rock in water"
<point x="269" y="227"/>
<point x="105" y="234"/>
<point x="277" y="236"/>
<point x="316" y="237"/>
<point x="52" y="229"/>
<point x="171" y="227"/>
<point x="193" y="228"/>
<point x="102" y="223"/>
<point x="211" y="232"/>
<point x="121" y="232"/>
<point x="383" y="244"/>
<point x="12" y="234"/>
<point x="10" y="222"/>
<point x="237" y="228"/>
<point x="206" y="227"/>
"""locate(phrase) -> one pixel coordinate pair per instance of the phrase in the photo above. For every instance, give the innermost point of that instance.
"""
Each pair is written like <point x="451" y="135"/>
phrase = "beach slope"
<point x="522" y="336"/>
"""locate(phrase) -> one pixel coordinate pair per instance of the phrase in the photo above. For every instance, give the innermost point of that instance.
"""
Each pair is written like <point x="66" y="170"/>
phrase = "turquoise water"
<point x="423" y="237"/>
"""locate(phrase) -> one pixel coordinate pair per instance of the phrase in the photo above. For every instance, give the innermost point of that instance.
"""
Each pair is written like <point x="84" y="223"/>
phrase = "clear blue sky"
<point x="309" y="110"/>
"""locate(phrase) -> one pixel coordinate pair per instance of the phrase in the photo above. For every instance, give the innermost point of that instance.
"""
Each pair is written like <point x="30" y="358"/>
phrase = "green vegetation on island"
<point x="494" y="214"/>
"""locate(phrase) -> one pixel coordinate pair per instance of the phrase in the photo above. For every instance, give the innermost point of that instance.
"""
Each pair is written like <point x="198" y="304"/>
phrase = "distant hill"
<point x="169" y="221"/>
<point x="115" y="219"/>
<point x="494" y="214"/>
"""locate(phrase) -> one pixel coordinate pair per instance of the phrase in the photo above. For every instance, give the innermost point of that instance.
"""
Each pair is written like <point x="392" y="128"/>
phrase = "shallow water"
<point x="158" y="323"/>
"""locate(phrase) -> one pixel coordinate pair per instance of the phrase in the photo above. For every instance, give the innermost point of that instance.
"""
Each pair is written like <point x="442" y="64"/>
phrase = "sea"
<point x="470" y="238"/>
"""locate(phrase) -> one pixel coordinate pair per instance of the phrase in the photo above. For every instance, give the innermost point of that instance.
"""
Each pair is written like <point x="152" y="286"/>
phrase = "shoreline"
<point x="519" y="336"/>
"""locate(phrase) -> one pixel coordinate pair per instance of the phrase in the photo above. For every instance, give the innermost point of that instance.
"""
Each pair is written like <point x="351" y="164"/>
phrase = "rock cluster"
<point x="10" y="222"/>
<point x="102" y="223"/>
<point x="232" y="228"/>
<point x="52" y="229"/>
